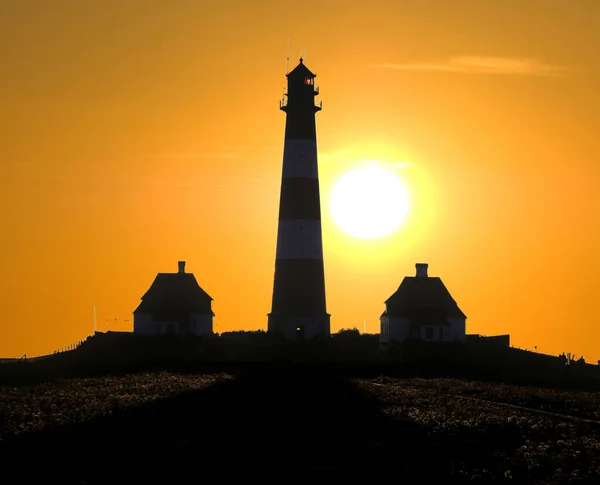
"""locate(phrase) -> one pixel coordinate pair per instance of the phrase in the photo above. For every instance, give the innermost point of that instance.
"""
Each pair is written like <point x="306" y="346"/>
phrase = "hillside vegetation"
<point x="347" y="352"/>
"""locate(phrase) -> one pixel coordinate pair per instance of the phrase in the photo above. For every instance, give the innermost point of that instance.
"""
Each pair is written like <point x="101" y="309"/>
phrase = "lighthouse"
<point x="298" y="308"/>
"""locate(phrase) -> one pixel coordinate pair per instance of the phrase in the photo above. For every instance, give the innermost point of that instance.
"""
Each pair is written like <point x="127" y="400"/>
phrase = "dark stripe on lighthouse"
<point x="299" y="287"/>
<point x="299" y="199"/>
<point x="300" y="126"/>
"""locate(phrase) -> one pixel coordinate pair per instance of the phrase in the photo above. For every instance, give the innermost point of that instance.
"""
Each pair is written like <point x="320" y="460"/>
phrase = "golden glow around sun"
<point x="369" y="202"/>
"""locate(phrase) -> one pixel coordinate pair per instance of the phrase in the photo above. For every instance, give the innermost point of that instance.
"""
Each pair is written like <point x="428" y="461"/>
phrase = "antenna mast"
<point x="287" y="58"/>
<point x="94" y="320"/>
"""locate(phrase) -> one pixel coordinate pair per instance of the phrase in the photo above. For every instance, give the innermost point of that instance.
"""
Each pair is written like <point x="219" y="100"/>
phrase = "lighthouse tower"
<point x="298" y="310"/>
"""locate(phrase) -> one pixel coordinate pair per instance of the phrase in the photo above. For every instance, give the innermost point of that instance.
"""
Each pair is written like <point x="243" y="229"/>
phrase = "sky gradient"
<point x="136" y="134"/>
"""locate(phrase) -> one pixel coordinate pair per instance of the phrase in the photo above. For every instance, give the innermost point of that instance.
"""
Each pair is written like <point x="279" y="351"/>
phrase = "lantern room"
<point x="301" y="90"/>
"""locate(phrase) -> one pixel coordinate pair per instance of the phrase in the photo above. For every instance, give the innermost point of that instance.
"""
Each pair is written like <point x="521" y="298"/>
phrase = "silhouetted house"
<point x="422" y="309"/>
<point x="174" y="304"/>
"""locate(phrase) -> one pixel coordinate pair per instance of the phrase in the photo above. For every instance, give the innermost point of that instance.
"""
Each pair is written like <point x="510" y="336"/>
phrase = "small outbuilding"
<point x="422" y="309"/>
<point x="174" y="304"/>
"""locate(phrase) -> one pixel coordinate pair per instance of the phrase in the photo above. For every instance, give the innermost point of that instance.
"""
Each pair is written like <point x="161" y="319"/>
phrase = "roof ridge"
<point x="417" y="292"/>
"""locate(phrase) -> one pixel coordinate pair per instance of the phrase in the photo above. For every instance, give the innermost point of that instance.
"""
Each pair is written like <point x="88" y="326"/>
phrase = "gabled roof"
<point x="173" y="296"/>
<point x="422" y="298"/>
<point x="301" y="71"/>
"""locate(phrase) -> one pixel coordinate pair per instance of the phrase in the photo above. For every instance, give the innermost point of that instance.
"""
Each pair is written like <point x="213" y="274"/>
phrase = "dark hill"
<point x="347" y="353"/>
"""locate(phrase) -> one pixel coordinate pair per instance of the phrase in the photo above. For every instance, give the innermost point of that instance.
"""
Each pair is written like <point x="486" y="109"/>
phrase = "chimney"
<point x="421" y="270"/>
<point x="181" y="267"/>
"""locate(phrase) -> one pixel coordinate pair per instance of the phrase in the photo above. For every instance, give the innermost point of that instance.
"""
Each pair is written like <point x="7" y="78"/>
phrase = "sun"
<point x="369" y="202"/>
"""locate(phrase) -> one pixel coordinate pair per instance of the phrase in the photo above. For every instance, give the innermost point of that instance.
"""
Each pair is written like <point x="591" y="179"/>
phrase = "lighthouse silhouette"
<point x="298" y="308"/>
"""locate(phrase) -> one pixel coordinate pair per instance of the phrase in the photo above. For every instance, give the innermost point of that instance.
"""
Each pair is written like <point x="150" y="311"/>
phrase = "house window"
<point x="429" y="333"/>
<point x="441" y="333"/>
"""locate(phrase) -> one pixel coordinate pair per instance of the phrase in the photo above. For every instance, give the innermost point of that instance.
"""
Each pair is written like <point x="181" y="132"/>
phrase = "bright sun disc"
<point x="369" y="202"/>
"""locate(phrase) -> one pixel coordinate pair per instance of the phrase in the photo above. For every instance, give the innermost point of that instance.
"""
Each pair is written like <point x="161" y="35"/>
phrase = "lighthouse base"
<point x="300" y="327"/>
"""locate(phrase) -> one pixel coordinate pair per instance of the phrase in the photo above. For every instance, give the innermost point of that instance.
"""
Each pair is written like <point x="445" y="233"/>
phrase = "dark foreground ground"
<point x="293" y="425"/>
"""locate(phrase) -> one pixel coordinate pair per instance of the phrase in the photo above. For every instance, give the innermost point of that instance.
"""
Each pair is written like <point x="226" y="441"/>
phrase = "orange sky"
<point x="134" y="134"/>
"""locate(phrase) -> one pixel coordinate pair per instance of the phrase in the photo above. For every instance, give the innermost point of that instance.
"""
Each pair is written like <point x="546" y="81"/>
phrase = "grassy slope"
<point x="297" y="422"/>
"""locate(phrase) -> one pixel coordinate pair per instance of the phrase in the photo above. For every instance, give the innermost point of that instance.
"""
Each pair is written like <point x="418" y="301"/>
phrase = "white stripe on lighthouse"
<point x="300" y="159"/>
<point x="299" y="239"/>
